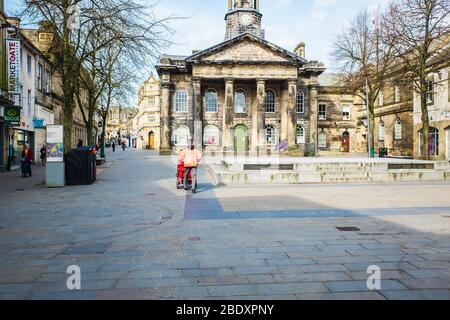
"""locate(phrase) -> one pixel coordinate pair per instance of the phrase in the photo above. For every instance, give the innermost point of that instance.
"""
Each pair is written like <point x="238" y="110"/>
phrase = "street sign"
<point x="11" y="115"/>
<point x="13" y="65"/>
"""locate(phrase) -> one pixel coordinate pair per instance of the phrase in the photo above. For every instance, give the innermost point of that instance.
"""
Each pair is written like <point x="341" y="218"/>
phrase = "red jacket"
<point x="28" y="156"/>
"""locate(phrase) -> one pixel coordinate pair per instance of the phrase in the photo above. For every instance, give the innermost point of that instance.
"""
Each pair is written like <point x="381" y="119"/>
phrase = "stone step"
<point x="221" y="176"/>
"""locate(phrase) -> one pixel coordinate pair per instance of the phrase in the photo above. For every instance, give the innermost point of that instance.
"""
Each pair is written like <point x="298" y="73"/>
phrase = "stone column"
<point x="197" y="114"/>
<point x="165" y="148"/>
<point x="292" y="114"/>
<point x="313" y="121"/>
<point x="227" y="114"/>
<point x="258" y="117"/>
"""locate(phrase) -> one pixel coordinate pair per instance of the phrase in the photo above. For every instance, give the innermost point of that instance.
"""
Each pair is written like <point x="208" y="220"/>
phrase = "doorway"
<point x="346" y="142"/>
<point x="241" y="138"/>
<point x="151" y="140"/>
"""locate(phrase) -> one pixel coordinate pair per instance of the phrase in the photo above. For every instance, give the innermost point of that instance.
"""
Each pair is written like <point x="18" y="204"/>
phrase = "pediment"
<point x="246" y="49"/>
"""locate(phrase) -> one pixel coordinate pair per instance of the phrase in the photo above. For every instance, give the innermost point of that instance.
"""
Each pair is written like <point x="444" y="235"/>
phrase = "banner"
<point x="13" y="65"/>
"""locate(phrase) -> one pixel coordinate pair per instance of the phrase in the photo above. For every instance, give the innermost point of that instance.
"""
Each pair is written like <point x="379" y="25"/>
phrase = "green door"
<point x="240" y="138"/>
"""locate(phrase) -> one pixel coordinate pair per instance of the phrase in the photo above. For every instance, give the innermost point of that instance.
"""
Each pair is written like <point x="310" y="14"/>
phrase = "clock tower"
<point x="243" y="16"/>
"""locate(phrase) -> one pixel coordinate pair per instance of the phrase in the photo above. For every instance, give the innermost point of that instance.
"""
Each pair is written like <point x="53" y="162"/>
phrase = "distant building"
<point x="438" y="100"/>
<point x="118" y="124"/>
<point x="147" y="120"/>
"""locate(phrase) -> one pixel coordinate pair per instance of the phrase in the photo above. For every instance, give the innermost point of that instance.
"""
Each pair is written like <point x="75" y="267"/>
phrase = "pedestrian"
<point x="123" y="145"/>
<point x="27" y="159"/>
<point x="191" y="157"/>
<point x="80" y="143"/>
<point x="114" y="146"/>
<point x="43" y="152"/>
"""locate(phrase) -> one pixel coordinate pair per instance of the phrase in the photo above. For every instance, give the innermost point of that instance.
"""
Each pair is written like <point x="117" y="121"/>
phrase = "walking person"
<point x="43" y="153"/>
<point x="27" y="159"/>
<point x="191" y="157"/>
<point x="114" y="146"/>
<point x="80" y="143"/>
<point x="123" y="145"/>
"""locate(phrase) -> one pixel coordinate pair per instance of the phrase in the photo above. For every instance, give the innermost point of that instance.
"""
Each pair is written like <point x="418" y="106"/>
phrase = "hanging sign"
<point x="13" y="65"/>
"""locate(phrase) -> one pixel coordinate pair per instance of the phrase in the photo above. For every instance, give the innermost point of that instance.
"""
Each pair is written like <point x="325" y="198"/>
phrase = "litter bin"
<point x="81" y="166"/>
<point x="383" y="152"/>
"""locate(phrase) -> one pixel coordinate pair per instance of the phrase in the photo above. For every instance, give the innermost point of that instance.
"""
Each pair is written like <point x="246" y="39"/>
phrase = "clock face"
<point x="246" y="19"/>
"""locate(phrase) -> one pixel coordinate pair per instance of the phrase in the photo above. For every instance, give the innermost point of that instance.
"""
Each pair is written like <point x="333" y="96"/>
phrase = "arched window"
<point x="211" y="137"/>
<point x="300" y="134"/>
<point x="240" y="101"/>
<point x="300" y="102"/>
<point x="269" y="101"/>
<point x="181" y="136"/>
<point x="381" y="131"/>
<point x="398" y="130"/>
<point x="181" y="101"/>
<point x="433" y="143"/>
<point x="322" y="140"/>
<point x="271" y="135"/>
<point x="211" y="100"/>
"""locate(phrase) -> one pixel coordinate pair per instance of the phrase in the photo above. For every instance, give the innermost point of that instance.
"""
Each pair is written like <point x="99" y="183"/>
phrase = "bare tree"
<point x="418" y="30"/>
<point x="364" y="61"/>
<point x="74" y="23"/>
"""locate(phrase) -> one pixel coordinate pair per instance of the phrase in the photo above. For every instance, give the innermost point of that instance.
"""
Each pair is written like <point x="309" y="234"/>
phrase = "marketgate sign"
<point x="13" y="65"/>
<point x="11" y="115"/>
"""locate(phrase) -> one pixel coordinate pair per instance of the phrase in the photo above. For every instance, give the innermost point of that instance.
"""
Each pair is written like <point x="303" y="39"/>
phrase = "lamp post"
<point x="371" y="150"/>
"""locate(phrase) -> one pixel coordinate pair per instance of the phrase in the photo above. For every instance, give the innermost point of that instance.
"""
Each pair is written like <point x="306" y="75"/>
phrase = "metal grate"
<point x="348" y="229"/>
<point x="194" y="238"/>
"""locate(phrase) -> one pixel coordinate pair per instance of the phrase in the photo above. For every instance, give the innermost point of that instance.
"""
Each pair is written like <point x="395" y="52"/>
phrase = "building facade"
<point x="147" y="121"/>
<point x="249" y="95"/>
<point x="5" y="99"/>
<point x="438" y="100"/>
<point x="393" y="118"/>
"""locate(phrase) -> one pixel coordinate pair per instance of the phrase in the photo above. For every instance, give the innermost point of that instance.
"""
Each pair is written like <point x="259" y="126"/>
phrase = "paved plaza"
<point x="135" y="236"/>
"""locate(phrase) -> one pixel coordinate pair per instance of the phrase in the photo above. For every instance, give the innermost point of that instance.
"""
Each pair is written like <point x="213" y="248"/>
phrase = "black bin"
<point x="81" y="166"/>
<point x="383" y="152"/>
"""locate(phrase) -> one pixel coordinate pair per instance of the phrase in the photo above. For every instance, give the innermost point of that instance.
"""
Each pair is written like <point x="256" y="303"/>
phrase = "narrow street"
<point x="134" y="236"/>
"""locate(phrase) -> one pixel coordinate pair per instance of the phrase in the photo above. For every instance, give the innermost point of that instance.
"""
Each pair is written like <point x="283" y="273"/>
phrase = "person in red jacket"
<point x="27" y="159"/>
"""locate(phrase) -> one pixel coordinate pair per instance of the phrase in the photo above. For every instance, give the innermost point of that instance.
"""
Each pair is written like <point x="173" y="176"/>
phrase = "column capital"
<point x="229" y="80"/>
<point x="292" y="81"/>
<point x="261" y="81"/>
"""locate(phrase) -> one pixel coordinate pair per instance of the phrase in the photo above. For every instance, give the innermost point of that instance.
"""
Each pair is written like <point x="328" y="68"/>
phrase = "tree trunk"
<point x="102" y="139"/>
<point x="425" y="137"/>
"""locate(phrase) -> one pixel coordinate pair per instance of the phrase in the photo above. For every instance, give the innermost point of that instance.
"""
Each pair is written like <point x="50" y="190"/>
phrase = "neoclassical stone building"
<point x="247" y="94"/>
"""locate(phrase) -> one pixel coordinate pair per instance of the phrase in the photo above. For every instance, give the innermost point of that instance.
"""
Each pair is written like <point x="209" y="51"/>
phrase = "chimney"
<point x="300" y="50"/>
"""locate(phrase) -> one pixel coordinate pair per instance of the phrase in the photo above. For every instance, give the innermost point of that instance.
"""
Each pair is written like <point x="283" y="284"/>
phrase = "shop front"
<point x="17" y="140"/>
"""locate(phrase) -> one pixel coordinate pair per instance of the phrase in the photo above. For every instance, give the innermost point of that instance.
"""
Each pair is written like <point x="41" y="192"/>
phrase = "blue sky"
<point x="287" y="22"/>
